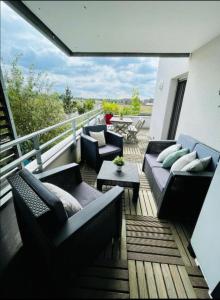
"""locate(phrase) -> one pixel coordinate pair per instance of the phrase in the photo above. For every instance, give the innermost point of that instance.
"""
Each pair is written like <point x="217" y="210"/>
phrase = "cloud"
<point x="103" y="77"/>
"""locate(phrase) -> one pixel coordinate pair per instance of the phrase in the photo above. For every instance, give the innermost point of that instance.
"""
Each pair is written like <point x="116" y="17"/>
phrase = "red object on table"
<point x="108" y="118"/>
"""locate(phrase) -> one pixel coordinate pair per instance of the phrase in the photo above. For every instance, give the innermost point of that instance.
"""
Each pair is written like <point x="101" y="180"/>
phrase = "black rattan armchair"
<point x="94" y="155"/>
<point x="55" y="242"/>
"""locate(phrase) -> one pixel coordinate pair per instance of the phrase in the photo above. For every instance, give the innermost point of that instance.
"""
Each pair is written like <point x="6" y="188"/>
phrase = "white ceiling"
<point x="131" y="26"/>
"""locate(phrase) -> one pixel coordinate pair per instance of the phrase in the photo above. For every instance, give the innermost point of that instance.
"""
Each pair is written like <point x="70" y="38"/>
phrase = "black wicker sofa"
<point x="179" y="195"/>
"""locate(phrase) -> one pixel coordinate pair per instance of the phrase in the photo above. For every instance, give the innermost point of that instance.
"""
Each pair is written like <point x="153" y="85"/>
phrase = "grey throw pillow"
<point x="99" y="136"/>
<point x="70" y="204"/>
<point x="197" y="165"/>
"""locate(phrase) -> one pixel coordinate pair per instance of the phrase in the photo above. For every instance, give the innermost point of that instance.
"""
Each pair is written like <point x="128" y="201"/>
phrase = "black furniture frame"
<point x="90" y="151"/>
<point x="72" y="242"/>
<point x="128" y="177"/>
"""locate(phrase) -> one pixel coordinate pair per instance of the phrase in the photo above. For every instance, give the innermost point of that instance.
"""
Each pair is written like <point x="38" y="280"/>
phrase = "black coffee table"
<point x="128" y="177"/>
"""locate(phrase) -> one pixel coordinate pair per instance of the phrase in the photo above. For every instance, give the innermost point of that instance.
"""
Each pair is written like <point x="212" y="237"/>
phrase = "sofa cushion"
<point x="152" y="160"/>
<point x="197" y="165"/>
<point x="204" y="151"/>
<point x="50" y="199"/>
<point x="108" y="149"/>
<point x="99" y="136"/>
<point x="187" y="141"/>
<point x="85" y="194"/>
<point x="71" y="205"/>
<point x="170" y="159"/>
<point x="163" y="155"/>
<point x="161" y="176"/>
<point x="183" y="161"/>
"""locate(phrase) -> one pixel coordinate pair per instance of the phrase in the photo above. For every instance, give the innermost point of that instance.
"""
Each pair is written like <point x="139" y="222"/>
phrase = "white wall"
<point x="200" y="114"/>
<point x="206" y="236"/>
<point x="169" y="71"/>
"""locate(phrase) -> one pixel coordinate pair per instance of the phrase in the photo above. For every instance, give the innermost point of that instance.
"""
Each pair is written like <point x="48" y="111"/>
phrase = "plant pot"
<point x="119" y="168"/>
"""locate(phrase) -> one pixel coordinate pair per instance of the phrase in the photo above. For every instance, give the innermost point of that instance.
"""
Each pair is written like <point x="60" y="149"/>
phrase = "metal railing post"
<point x="38" y="154"/>
<point x="74" y="130"/>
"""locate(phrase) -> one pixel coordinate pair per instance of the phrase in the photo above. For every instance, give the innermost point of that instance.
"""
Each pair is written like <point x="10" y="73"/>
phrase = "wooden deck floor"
<point x="152" y="259"/>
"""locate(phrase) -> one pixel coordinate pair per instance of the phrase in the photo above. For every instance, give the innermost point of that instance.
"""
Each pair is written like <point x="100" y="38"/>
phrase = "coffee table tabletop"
<point x="128" y="177"/>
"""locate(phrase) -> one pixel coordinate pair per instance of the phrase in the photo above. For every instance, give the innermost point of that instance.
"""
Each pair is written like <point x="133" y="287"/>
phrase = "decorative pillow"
<point x="99" y="136"/>
<point x="197" y="165"/>
<point x="183" y="161"/>
<point x="71" y="204"/>
<point x="170" y="159"/>
<point x="168" y="151"/>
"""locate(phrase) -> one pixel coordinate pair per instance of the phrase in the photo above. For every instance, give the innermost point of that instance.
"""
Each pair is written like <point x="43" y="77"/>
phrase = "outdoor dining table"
<point x="121" y="124"/>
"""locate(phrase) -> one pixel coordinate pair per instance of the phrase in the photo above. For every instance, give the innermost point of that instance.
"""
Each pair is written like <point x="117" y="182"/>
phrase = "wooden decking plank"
<point x="154" y="236"/>
<point x="133" y="285"/>
<point x="147" y="203"/>
<point x="132" y="205"/>
<point x="117" y="264"/>
<point x="186" y="282"/>
<point x="148" y="229"/>
<point x="198" y="282"/>
<point x="161" y="289"/>
<point x="142" y="285"/>
<point x="178" y="282"/>
<point x="105" y="273"/>
<point x="152" y="202"/>
<point x="144" y="218"/>
<point x="153" y="250"/>
<point x="151" y="284"/>
<point x="142" y="203"/>
<point x="183" y="253"/>
<point x="185" y="243"/>
<point x="155" y="258"/>
<point x="147" y="224"/>
<point x="138" y="206"/>
<point x="202" y="293"/>
<point x="151" y="242"/>
<point x="193" y="271"/>
<point x="103" y="284"/>
<point x="96" y="294"/>
<point x="171" y="291"/>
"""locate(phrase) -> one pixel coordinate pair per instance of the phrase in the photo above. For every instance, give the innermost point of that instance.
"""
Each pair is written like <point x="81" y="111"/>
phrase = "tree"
<point x="89" y="104"/>
<point x="135" y="102"/>
<point x="68" y="104"/>
<point x="33" y="105"/>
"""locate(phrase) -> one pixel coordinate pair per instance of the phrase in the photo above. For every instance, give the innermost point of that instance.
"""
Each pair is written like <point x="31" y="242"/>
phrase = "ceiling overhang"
<point x="124" y="28"/>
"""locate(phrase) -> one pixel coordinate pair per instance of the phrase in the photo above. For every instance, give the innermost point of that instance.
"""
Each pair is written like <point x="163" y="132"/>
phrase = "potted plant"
<point x="119" y="162"/>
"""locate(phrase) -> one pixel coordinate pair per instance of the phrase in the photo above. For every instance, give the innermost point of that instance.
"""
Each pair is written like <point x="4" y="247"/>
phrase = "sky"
<point x="96" y="77"/>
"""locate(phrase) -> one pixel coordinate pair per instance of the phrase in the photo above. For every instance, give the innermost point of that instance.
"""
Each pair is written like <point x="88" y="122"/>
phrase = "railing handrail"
<point x="44" y="130"/>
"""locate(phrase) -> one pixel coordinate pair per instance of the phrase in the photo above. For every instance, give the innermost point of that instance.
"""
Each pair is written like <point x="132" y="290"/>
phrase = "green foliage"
<point x="110" y="107"/>
<point x="135" y="102"/>
<point x="89" y="104"/>
<point x="84" y="106"/>
<point x="80" y="107"/>
<point x="68" y="104"/>
<point x="32" y="105"/>
<point x="119" y="161"/>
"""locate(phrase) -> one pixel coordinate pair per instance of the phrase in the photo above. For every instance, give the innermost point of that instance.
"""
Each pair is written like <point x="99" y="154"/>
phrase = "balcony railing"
<point x="76" y="122"/>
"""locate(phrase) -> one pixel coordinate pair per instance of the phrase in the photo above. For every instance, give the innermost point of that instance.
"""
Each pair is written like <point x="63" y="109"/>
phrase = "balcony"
<point x="151" y="260"/>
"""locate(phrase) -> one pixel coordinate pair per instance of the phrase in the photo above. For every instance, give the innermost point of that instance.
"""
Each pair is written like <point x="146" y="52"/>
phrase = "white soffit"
<point x="130" y="26"/>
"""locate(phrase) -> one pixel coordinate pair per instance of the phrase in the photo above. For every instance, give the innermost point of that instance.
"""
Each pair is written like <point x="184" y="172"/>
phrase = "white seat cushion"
<point x="71" y="204"/>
